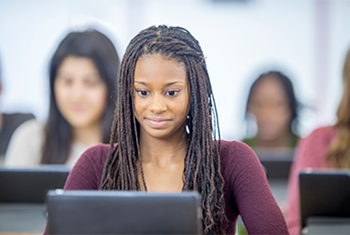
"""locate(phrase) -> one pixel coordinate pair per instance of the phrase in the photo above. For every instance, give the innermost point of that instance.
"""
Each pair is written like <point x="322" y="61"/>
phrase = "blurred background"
<point x="305" y="39"/>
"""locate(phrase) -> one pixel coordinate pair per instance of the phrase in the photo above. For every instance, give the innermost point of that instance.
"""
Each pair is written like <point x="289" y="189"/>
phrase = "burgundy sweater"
<point x="246" y="190"/>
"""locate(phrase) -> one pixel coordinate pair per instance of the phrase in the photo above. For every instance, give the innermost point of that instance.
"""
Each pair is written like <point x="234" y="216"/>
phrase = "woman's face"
<point x="80" y="92"/>
<point x="269" y="105"/>
<point x="162" y="96"/>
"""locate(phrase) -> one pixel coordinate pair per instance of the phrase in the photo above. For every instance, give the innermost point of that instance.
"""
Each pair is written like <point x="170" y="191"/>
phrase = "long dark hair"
<point x="288" y="89"/>
<point x="202" y="161"/>
<point x="88" y="44"/>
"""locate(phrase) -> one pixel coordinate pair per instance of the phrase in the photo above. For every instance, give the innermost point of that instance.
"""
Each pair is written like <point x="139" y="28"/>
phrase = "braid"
<point x="202" y="160"/>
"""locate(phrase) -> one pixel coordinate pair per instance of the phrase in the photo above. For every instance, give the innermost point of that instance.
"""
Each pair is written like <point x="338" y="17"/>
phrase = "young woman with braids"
<point x="326" y="147"/>
<point x="165" y="138"/>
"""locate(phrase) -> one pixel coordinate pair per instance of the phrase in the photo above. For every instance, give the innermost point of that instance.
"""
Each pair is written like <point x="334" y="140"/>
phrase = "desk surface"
<point x="22" y="217"/>
<point x="17" y="218"/>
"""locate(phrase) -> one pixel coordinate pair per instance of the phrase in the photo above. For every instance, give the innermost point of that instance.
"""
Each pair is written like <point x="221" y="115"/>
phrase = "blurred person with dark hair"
<point x="325" y="148"/>
<point x="273" y="107"/>
<point x="83" y="76"/>
<point x="8" y="124"/>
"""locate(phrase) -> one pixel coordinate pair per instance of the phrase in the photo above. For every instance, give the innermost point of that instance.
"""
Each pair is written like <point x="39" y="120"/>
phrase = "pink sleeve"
<point x="293" y="210"/>
<point x="310" y="152"/>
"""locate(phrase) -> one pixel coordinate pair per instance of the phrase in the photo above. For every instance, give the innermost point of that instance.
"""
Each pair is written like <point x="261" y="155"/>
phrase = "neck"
<point x="163" y="151"/>
<point x="282" y="141"/>
<point x="88" y="136"/>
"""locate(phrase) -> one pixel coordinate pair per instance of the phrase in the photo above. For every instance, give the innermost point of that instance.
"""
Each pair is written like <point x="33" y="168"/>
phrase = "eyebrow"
<point x="168" y="84"/>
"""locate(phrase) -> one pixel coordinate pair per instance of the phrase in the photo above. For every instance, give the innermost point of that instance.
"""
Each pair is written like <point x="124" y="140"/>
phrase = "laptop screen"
<point x="123" y="212"/>
<point x="324" y="193"/>
<point x="30" y="185"/>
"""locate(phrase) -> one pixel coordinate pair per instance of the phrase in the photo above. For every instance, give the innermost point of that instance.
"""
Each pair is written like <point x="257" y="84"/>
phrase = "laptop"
<point x="30" y="185"/>
<point x="277" y="168"/>
<point x="276" y="161"/>
<point x="123" y="212"/>
<point x="324" y="194"/>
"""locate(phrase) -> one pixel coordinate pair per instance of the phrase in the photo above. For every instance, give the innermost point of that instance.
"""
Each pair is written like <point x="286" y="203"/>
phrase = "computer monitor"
<point x="123" y="212"/>
<point x="30" y="185"/>
<point x="324" y="194"/>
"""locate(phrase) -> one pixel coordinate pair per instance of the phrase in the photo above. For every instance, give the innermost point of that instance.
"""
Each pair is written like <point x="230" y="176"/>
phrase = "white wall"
<point x="239" y="40"/>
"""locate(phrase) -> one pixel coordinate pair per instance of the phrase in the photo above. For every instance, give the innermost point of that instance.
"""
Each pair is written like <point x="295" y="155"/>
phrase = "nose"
<point x="77" y="92"/>
<point x="158" y="104"/>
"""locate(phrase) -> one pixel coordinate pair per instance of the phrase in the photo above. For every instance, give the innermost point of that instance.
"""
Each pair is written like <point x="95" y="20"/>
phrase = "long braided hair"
<point x="202" y="160"/>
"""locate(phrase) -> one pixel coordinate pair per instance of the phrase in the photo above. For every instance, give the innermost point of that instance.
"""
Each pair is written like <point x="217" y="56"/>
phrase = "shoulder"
<point x="25" y="145"/>
<point x="321" y="135"/>
<point x="237" y="157"/>
<point x="31" y="131"/>
<point x="96" y="154"/>
<point x="323" y="131"/>
<point x="87" y="171"/>
<point x="30" y="127"/>
<point x="234" y="149"/>
<point x="311" y="150"/>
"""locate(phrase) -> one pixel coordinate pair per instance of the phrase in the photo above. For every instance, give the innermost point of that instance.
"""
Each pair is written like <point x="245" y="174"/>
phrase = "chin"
<point x="78" y="124"/>
<point x="158" y="133"/>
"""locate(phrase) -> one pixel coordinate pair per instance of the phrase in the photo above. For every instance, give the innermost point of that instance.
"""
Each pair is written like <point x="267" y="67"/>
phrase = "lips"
<point x="78" y="109"/>
<point x="157" y="123"/>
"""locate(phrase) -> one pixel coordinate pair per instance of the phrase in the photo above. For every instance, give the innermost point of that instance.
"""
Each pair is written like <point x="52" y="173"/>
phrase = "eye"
<point x="91" y="83"/>
<point x="143" y="93"/>
<point x="172" y="93"/>
<point x="66" y="82"/>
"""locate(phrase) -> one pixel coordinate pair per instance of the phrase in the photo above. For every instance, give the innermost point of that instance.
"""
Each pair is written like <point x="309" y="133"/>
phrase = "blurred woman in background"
<point x="326" y="147"/>
<point x="273" y="107"/>
<point x="83" y="77"/>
